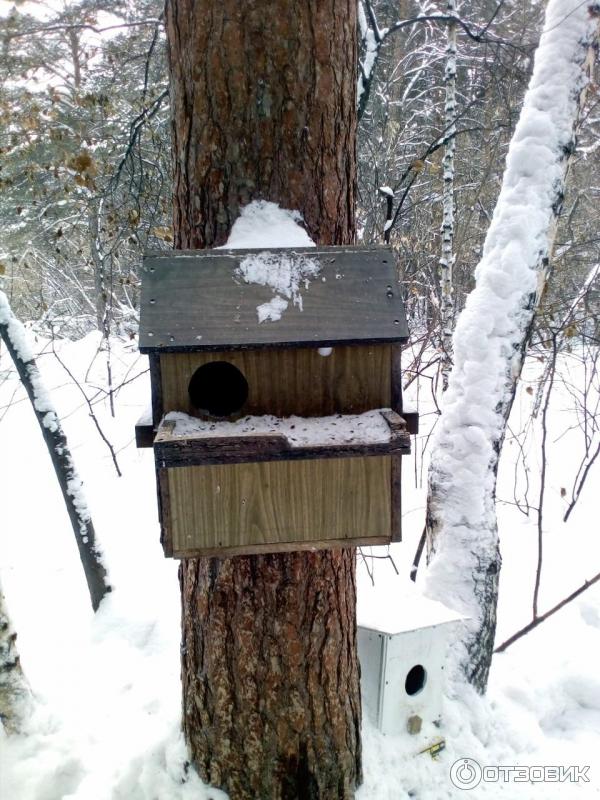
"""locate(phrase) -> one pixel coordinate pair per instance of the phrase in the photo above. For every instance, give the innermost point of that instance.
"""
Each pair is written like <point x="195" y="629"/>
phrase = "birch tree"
<point x="14" y="335"/>
<point x="447" y="256"/>
<point x="493" y="332"/>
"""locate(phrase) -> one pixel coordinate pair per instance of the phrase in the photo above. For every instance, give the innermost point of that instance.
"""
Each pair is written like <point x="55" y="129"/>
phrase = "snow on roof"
<point x="254" y="291"/>
<point x="410" y="610"/>
<point x="263" y="224"/>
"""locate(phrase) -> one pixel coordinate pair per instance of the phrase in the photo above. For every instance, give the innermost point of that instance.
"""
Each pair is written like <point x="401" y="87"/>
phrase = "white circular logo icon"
<point x="465" y="773"/>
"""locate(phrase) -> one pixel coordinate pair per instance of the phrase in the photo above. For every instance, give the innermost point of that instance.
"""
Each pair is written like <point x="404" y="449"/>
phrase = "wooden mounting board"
<point x="204" y="448"/>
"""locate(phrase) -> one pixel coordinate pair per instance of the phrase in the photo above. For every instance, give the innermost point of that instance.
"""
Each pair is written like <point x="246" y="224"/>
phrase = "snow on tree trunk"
<point x="14" y="336"/>
<point x="493" y="331"/>
<point x="264" y="107"/>
<point x="447" y="256"/>
<point x="15" y="697"/>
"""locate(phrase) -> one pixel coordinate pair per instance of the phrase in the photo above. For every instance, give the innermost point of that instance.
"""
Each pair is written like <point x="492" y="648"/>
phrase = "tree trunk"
<point x="493" y="333"/>
<point x="264" y="107"/>
<point x="14" y="336"/>
<point x="15" y="697"/>
<point x="446" y="264"/>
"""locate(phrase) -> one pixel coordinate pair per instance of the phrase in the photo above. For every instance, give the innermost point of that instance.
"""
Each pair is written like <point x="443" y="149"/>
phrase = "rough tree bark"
<point x="264" y="107"/>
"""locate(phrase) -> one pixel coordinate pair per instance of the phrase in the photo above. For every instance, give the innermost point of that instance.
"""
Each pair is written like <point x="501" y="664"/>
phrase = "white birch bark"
<point x="492" y="334"/>
<point x="13" y="333"/>
<point x="447" y="256"/>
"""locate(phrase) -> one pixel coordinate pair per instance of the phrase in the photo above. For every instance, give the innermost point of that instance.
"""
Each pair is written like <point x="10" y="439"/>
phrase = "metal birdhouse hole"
<point x="415" y="680"/>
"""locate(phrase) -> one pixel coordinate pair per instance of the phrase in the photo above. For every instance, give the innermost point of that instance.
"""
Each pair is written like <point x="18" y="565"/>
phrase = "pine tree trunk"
<point x="264" y="107"/>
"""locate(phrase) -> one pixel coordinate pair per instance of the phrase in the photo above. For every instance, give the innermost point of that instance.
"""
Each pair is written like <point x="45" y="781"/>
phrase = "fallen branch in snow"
<point x="537" y="620"/>
<point x="15" y="695"/>
<point x="14" y="336"/>
<point x="493" y="333"/>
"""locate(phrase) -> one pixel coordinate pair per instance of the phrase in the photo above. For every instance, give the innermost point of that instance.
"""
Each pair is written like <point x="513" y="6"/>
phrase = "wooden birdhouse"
<point x="276" y="397"/>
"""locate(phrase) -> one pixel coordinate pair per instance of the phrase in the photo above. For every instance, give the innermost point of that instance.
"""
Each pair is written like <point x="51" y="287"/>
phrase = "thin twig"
<point x="535" y="622"/>
<point x="580" y="485"/>
<point x="91" y="410"/>
<point x="77" y="26"/>
<point x="540" y="537"/>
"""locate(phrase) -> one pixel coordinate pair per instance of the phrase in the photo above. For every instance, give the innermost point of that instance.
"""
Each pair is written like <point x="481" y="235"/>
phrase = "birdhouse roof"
<point x="238" y="299"/>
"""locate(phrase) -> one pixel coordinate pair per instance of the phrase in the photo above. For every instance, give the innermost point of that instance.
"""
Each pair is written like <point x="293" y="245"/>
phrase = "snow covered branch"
<point x="373" y="38"/>
<point x="14" y="336"/>
<point x="492" y="334"/>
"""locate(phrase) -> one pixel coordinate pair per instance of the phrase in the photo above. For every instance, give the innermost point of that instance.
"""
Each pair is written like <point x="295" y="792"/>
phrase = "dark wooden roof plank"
<point x="199" y="300"/>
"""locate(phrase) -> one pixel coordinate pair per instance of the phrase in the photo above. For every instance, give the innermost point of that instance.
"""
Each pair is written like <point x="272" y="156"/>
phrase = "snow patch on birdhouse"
<point x="370" y="427"/>
<point x="265" y="224"/>
<point x="286" y="274"/>
<point x="271" y="311"/>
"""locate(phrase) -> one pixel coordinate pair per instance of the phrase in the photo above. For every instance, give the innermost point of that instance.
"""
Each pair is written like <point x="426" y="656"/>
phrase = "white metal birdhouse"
<point x="402" y="652"/>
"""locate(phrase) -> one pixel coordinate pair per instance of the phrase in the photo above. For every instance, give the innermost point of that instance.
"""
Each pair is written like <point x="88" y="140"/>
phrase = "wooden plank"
<point x="144" y="430"/>
<point x="412" y="421"/>
<point x="396" y="378"/>
<point x="156" y="389"/>
<point x="144" y="435"/>
<point x="200" y="301"/>
<point x="164" y="511"/>
<point x="203" y="448"/>
<point x="308" y="502"/>
<point x="280" y="547"/>
<point x="351" y="380"/>
<point x="396" y="495"/>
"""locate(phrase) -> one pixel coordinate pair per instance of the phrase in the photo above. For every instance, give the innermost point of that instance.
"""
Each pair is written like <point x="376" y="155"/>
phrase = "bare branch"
<point x="535" y="622"/>
<point x="8" y="35"/>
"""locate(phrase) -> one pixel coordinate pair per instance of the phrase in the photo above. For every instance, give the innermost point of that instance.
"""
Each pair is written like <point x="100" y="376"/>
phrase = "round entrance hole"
<point x="218" y="388"/>
<point x="415" y="679"/>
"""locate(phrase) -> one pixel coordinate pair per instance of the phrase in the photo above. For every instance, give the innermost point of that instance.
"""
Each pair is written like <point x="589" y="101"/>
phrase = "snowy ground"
<point x="106" y="725"/>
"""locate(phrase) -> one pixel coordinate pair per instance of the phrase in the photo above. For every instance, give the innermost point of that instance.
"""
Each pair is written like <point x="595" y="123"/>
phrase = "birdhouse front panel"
<point x="301" y="381"/>
<point x="227" y="509"/>
<point x="276" y="398"/>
